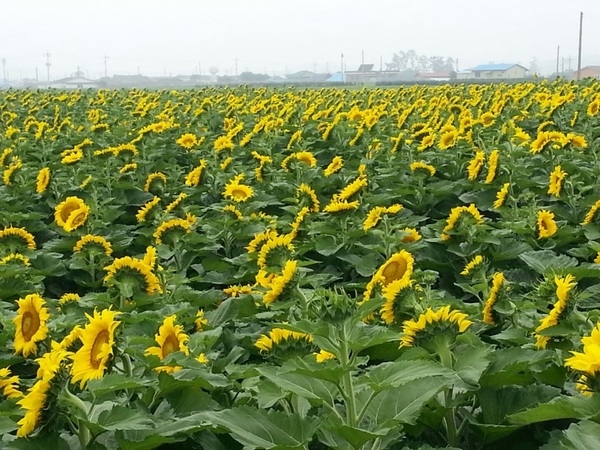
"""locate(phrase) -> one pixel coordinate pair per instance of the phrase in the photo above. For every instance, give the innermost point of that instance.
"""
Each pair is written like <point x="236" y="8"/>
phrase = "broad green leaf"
<point x="546" y="261"/>
<point x="579" y="436"/>
<point x="122" y="418"/>
<point x="314" y="389"/>
<point x="397" y="373"/>
<point x="116" y="382"/>
<point x="578" y="407"/>
<point x="497" y="404"/>
<point x="358" y="436"/>
<point x="257" y="428"/>
<point x="403" y="404"/>
<point x="470" y="364"/>
<point x="49" y="441"/>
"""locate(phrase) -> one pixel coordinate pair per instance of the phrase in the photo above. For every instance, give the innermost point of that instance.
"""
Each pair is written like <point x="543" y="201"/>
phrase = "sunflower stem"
<point x="445" y="354"/>
<point x="347" y="381"/>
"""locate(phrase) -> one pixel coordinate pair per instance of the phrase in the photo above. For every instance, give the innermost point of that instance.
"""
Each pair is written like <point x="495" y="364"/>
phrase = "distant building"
<point x="433" y="76"/>
<point x="588" y="72"/>
<point x="76" y="82"/>
<point x="494" y="72"/>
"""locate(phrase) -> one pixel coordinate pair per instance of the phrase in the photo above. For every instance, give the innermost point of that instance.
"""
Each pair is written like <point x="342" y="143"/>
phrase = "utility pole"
<point x="557" y="58"/>
<point x="48" y="65"/>
<point x="579" y="54"/>
<point x="105" y="68"/>
<point x="342" y="68"/>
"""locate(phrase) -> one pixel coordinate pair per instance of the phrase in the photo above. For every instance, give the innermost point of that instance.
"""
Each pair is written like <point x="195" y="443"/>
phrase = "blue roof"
<point x="492" y="67"/>
<point x="337" y="77"/>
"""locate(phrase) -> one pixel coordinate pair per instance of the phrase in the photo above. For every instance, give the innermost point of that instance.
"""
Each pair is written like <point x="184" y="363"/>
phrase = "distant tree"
<point x="533" y="66"/>
<point x="250" y="77"/>
<point x="411" y="61"/>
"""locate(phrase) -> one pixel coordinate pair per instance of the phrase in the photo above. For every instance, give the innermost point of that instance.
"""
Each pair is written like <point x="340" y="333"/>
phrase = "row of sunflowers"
<point x="415" y="267"/>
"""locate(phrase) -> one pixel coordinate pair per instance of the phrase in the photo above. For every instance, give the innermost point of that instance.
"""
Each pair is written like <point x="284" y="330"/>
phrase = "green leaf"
<point x="403" y="404"/>
<point x="49" y="441"/>
<point x="357" y="437"/>
<point x="122" y="418"/>
<point x="578" y="407"/>
<point x="470" y="364"/>
<point x="116" y="382"/>
<point x="579" y="436"/>
<point x="313" y="389"/>
<point x="545" y="261"/>
<point x="397" y="373"/>
<point x="257" y="428"/>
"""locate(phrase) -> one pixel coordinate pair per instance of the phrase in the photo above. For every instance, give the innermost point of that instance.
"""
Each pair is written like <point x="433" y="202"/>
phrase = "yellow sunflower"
<point x="30" y="324"/>
<point x="70" y="212"/>
<point x="21" y="233"/>
<point x="556" y="179"/>
<point x="334" y="166"/>
<point x="187" y="141"/>
<point x="279" y="283"/>
<point x="501" y="196"/>
<point x="90" y="239"/>
<point x="415" y="331"/>
<point x="170" y="338"/>
<point x="488" y="307"/>
<point x="42" y="180"/>
<point x="168" y="225"/>
<point x="153" y="178"/>
<point x="33" y="404"/>
<point x="97" y="338"/>
<point x="546" y="224"/>
<point x="129" y="264"/>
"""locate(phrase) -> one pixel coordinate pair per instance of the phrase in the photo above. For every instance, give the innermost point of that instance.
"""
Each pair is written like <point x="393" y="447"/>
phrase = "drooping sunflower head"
<point x="129" y="273"/>
<point x="15" y="239"/>
<point x="400" y="296"/>
<point x="587" y="363"/>
<point x="275" y="251"/>
<point x="281" y="284"/>
<point x="438" y="326"/>
<point x="93" y="244"/>
<point x="91" y="361"/>
<point x="280" y="342"/>
<point x="30" y="324"/>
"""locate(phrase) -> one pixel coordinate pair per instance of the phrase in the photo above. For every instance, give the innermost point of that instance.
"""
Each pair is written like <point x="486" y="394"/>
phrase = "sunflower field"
<point x="282" y="268"/>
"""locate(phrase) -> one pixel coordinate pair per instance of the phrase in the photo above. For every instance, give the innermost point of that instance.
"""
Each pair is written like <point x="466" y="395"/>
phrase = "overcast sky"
<point x="279" y="36"/>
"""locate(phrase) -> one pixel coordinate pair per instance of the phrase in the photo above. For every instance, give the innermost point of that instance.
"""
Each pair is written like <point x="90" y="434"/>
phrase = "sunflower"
<point x="421" y="165"/>
<point x="278" y="336"/>
<point x="90" y="239"/>
<point x="396" y="295"/>
<point x="310" y="193"/>
<point x="577" y="140"/>
<point x="170" y="338"/>
<point x="476" y="261"/>
<point x="260" y="238"/>
<point x="334" y="166"/>
<point x="233" y="210"/>
<point x="152" y="178"/>
<point x="501" y="196"/>
<point x="226" y="163"/>
<point x="9" y="384"/>
<point x="223" y="143"/>
<point x="237" y="290"/>
<point x="487" y="119"/>
<point x="175" y="203"/>
<point x="280" y="283"/>
<point x="375" y="214"/>
<point x="593" y="108"/>
<point x="475" y="165"/>
<point x="587" y="362"/>
<point x="488" y="308"/>
<point x="427" y="141"/>
<point x="167" y="226"/>
<point x="16" y="258"/>
<point x="127" y="265"/>
<point x="97" y="338"/>
<point x="340" y="206"/>
<point x="33" y="403"/>
<point x="556" y="178"/>
<point x="456" y="213"/>
<point x="146" y="208"/>
<point x="591" y="213"/>
<point x="432" y="323"/>
<point x="238" y="192"/>
<point x="546" y="224"/>
<point x="21" y="233"/>
<point x="410" y="235"/>
<point x="130" y="167"/>
<point x="187" y="141"/>
<point x="200" y="321"/>
<point x="398" y="267"/>
<point x="17" y="164"/>
<point x="272" y="248"/>
<point x="71" y="213"/>
<point x="294" y="139"/>
<point x="306" y="158"/>
<point x="563" y="288"/>
<point x="30" y="324"/>
<point x="492" y="166"/>
<point x="192" y="179"/>
<point x="68" y="297"/>
<point x="42" y="180"/>
<point x="448" y="139"/>
<point x="71" y="156"/>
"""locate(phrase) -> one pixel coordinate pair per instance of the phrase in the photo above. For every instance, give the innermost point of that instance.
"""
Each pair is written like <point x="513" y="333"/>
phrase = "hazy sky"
<point x="275" y="36"/>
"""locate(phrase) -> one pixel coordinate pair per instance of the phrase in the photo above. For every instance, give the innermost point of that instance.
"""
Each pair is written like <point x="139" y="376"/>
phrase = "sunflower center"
<point x="544" y="225"/>
<point x="239" y="193"/>
<point x="97" y="354"/>
<point x="394" y="270"/>
<point x="170" y="345"/>
<point x="67" y="210"/>
<point x="29" y="325"/>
